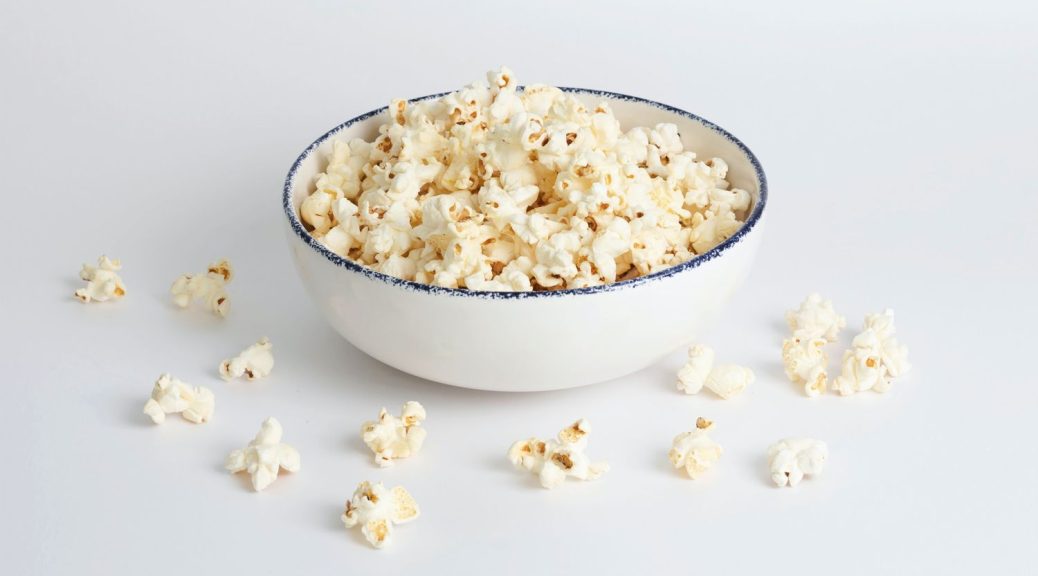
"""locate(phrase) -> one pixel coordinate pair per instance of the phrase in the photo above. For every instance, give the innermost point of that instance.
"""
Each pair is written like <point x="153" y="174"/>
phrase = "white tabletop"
<point x="899" y="144"/>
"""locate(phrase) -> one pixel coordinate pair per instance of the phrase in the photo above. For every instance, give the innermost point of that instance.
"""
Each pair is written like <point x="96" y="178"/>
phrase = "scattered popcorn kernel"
<point x="805" y="362"/>
<point x="492" y="188"/>
<point x="792" y="458"/>
<point x="390" y="437"/>
<point x="377" y="510"/>
<point x="695" y="451"/>
<point x="725" y="380"/>
<point x="256" y="361"/>
<point x="874" y="359"/>
<point x="264" y="456"/>
<point x="555" y="460"/>
<point x="172" y="396"/>
<point x="103" y="281"/>
<point x="815" y="318"/>
<point x="209" y="288"/>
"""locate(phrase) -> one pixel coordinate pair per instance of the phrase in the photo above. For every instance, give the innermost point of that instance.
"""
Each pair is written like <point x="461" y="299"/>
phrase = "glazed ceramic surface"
<point x="527" y="341"/>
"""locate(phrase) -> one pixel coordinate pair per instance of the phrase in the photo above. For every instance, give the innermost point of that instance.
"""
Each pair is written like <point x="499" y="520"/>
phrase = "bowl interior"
<point x="706" y="139"/>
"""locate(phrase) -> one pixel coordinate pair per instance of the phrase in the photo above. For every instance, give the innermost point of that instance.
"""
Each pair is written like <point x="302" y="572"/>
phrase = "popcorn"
<point x="208" y="288"/>
<point x="256" y="361"/>
<point x="390" y="437"/>
<point x="103" y="282"/>
<point x="377" y="510"/>
<point x="814" y="324"/>
<point x="805" y="363"/>
<point x="874" y="359"/>
<point x="171" y="396"/>
<point x="695" y="451"/>
<point x="264" y="456"/>
<point x="726" y="380"/>
<point x="555" y="460"/>
<point x="454" y="191"/>
<point x="792" y="458"/>
<point x="815" y="318"/>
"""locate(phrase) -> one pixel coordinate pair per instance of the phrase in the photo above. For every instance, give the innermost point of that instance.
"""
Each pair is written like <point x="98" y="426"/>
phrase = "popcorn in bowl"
<point x="495" y="189"/>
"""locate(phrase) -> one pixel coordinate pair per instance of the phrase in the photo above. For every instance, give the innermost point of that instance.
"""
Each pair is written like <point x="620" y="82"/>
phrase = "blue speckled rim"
<point x="716" y="251"/>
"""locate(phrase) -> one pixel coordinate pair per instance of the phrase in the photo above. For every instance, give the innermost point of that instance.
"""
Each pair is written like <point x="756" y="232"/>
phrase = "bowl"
<point x="529" y="341"/>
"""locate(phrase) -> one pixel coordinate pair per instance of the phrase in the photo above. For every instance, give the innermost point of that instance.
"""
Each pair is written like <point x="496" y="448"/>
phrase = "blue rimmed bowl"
<point x="527" y="341"/>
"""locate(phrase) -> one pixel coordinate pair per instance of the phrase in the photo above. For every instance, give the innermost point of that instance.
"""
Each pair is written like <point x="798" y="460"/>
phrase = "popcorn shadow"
<point x="774" y="372"/>
<point x="355" y="444"/>
<point x="499" y="465"/>
<point x="757" y="467"/>
<point x="192" y="317"/>
<point x="242" y="479"/>
<point x="374" y="381"/>
<point x="661" y="463"/>
<point x="132" y="410"/>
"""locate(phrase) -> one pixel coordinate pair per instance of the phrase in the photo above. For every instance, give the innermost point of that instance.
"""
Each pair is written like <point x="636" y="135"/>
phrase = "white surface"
<point x="550" y="343"/>
<point x="899" y="144"/>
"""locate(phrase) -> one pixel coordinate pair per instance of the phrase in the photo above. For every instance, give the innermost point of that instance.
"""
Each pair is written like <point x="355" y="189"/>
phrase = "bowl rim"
<point x="715" y="252"/>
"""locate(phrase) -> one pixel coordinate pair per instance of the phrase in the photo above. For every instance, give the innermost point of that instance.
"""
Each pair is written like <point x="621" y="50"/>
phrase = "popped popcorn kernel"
<point x="209" y="288"/>
<point x="494" y="189"/>
<point x="694" y="451"/>
<point x="815" y="318"/>
<point x="391" y="437"/>
<point x="805" y="363"/>
<point x="103" y="281"/>
<point x="791" y="459"/>
<point x="555" y="460"/>
<point x="264" y="456"/>
<point x="172" y="396"/>
<point x="377" y="510"/>
<point x="874" y="359"/>
<point x="256" y="361"/>
<point x="725" y="380"/>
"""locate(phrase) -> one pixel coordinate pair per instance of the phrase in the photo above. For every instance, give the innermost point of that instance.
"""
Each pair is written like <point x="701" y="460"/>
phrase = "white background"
<point x="900" y="143"/>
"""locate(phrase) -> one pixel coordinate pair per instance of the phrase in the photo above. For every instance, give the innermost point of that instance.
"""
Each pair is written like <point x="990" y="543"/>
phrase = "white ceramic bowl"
<point x="525" y="341"/>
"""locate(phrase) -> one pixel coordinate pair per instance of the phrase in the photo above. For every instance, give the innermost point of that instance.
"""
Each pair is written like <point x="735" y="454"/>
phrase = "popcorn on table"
<point x="725" y="380"/>
<point x="792" y="458"/>
<point x="874" y="359"/>
<point x="390" y="437"/>
<point x="209" y="288"/>
<point x="814" y="324"/>
<point x="103" y="281"/>
<point x="256" y="361"/>
<point x="377" y="510"/>
<point x="805" y="362"/>
<point x="815" y="318"/>
<point x="695" y="451"/>
<point x="264" y="456"/>
<point x="171" y="396"/>
<point x="489" y="188"/>
<point x="555" y="460"/>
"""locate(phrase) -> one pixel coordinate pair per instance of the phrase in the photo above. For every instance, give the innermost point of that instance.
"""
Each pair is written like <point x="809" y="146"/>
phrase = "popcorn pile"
<point x="873" y="361"/>
<point x="814" y="324"/>
<point x="493" y="189"/>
